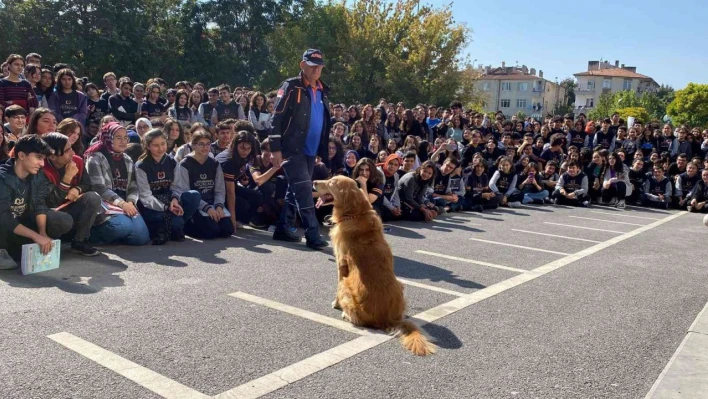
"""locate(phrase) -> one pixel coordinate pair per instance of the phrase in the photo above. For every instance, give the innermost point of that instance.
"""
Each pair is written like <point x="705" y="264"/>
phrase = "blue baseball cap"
<point x="313" y="57"/>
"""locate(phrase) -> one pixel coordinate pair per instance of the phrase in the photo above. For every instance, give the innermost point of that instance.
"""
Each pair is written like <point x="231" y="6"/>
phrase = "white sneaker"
<point x="613" y="202"/>
<point x="514" y="204"/>
<point x="621" y="204"/>
<point x="6" y="262"/>
<point x="585" y="204"/>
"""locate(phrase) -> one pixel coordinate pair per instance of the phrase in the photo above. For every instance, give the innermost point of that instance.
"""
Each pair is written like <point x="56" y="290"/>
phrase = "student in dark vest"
<point x="657" y="189"/>
<point x="604" y="137"/>
<point x="24" y="216"/>
<point x="684" y="186"/>
<point x="370" y="182"/>
<point x="153" y="107"/>
<point x="121" y="105"/>
<point x="200" y="172"/>
<point x="227" y="108"/>
<point x="531" y="187"/>
<point x="572" y="187"/>
<point x="637" y="177"/>
<point x="155" y="176"/>
<point x="448" y="189"/>
<point x="111" y="174"/>
<point x="180" y="110"/>
<point x="268" y="180"/>
<point x="478" y="195"/>
<point x="391" y="209"/>
<point x="224" y="135"/>
<point x="67" y="101"/>
<point x="71" y="189"/>
<point x="577" y="136"/>
<point x="699" y="195"/>
<point x="174" y="131"/>
<point x="206" y="109"/>
<point x="595" y="171"/>
<point x="503" y="184"/>
<point x="616" y="185"/>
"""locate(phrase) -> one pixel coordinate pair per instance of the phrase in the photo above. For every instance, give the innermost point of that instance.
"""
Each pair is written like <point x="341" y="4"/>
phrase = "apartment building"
<point x="514" y="89"/>
<point x="603" y="77"/>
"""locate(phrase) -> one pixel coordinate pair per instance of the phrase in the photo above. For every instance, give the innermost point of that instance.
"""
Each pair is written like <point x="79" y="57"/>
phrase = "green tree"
<point x="690" y="105"/>
<point x="637" y="112"/>
<point x="604" y="108"/>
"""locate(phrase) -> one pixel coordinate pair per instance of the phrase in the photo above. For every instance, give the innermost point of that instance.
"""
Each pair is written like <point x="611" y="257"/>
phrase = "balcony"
<point x="538" y="89"/>
<point x="585" y="90"/>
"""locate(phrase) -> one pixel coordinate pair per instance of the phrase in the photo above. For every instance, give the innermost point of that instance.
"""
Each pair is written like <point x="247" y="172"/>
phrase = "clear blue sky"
<point x="666" y="40"/>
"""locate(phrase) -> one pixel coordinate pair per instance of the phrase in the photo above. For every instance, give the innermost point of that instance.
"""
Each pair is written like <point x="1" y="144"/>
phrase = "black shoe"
<point x="177" y="236"/>
<point x="317" y="244"/>
<point x="83" y="248"/>
<point x="286" y="235"/>
<point x="478" y="208"/>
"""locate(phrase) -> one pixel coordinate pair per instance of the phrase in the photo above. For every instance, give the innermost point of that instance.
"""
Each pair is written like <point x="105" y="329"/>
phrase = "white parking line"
<point x="476" y="262"/>
<point x="584" y="228"/>
<point x="290" y="374"/>
<point x="430" y="287"/>
<point x="305" y="314"/>
<point x="142" y="376"/>
<point x="606" y="221"/>
<point x="519" y="246"/>
<point x="624" y="214"/>
<point x="650" y="210"/>
<point x="556" y="236"/>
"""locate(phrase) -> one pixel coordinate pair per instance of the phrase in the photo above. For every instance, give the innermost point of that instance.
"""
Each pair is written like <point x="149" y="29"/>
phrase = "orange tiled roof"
<point x="614" y="72"/>
<point x="509" y="77"/>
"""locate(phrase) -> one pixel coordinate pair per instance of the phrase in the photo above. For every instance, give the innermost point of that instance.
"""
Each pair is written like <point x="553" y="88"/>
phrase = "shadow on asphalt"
<point x="442" y="336"/>
<point x="411" y="269"/>
<point x="75" y="275"/>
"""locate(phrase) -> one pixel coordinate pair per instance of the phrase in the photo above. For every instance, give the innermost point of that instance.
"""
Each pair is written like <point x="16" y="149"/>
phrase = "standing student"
<point x="412" y="188"/>
<point x="110" y="80"/>
<point x="657" y="189"/>
<point x="206" y="109"/>
<point x="153" y="106"/>
<point x="572" y="187"/>
<point x="24" y="215"/>
<point x="111" y="174"/>
<point x="605" y="138"/>
<point x="121" y="105"/>
<point x="391" y="209"/>
<point x="259" y="116"/>
<point x="227" y="108"/>
<point x="503" y="184"/>
<point x="200" y="172"/>
<point x="300" y="133"/>
<point x="155" y="177"/>
<point x="14" y="89"/>
<point x="616" y="185"/>
<point x="67" y="101"/>
<point x="97" y="106"/>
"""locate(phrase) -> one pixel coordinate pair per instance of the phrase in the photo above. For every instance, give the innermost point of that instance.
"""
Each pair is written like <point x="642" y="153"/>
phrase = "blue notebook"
<point x="33" y="261"/>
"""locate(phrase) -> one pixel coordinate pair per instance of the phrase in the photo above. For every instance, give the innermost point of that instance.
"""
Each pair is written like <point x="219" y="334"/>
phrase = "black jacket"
<point x="9" y="183"/>
<point x="292" y="118"/>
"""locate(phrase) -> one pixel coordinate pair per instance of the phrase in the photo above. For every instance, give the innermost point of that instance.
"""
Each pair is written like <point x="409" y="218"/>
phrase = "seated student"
<point x="595" y="172"/>
<point x="684" y="185"/>
<point x="572" y="187"/>
<point x="335" y="157"/>
<point x="71" y="185"/>
<point x="503" y="184"/>
<point x="554" y="152"/>
<point x="351" y="157"/>
<point x="24" y="216"/>
<point x="408" y="162"/>
<point x="391" y="209"/>
<point x="268" y="180"/>
<point x="448" y="189"/>
<point x="155" y="176"/>
<point x="224" y="133"/>
<point x="699" y="195"/>
<point x="478" y="195"/>
<point x="491" y="152"/>
<point x="549" y="176"/>
<point x="111" y="174"/>
<point x="16" y="118"/>
<point x="657" y="189"/>
<point x="244" y="203"/>
<point x="616" y="185"/>
<point x="199" y="172"/>
<point x="370" y="182"/>
<point x="532" y="186"/>
<point x="412" y="188"/>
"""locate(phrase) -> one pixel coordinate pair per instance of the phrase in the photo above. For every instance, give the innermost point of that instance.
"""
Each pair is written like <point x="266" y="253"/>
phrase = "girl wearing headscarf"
<point x="350" y="159"/>
<point x="111" y="174"/>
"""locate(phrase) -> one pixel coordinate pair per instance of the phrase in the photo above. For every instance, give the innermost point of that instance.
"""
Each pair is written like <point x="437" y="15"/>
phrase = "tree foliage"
<point x="652" y="104"/>
<point x="690" y="105"/>
<point x="637" y="112"/>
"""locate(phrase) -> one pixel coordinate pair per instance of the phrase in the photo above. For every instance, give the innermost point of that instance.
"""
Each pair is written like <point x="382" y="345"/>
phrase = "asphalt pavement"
<point x="523" y="303"/>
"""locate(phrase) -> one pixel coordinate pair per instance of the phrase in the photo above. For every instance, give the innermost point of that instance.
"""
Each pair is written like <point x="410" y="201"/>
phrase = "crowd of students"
<point x="133" y="163"/>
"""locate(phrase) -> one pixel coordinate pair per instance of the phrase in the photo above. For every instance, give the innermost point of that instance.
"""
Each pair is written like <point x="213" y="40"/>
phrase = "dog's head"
<point x="344" y="193"/>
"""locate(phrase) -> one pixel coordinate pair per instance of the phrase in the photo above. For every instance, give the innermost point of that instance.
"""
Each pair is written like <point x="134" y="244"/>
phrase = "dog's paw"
<point x="336" y="305"/>
<point x="345" y="317"/>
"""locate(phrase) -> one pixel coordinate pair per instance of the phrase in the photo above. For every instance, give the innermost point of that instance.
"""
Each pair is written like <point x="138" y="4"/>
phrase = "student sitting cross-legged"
<point x="572" y="187"/>
<point x="391" y="209"/>
<point x="199" y="172"/>
<point x="24" y="216"/>
<point x="616" y="185"/>
<point x="155" y="175"/>
<point x="70" y="189"/>
<point x="657" y="189"/>
<point x="532" y="186"/>
<point x="111" y="174"/>
<point x="698" y="198"/>
<point x="478" y="195"/>
<point x="503" y="184"/>
<point x="412" y="188"/>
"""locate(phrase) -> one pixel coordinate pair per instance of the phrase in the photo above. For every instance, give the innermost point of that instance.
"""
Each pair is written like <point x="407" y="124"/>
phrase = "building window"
<point x="627" y="85"/>
<point x="521" y="103"/>
<point x="591" y="85"/>
<point x="505" y="103"/>
<point x="589" y="102"/>
<point x="523" y="86"/>
<point x="606" y="84"/>
<point x="506" y="86"/>
<point x="485" y="86"/>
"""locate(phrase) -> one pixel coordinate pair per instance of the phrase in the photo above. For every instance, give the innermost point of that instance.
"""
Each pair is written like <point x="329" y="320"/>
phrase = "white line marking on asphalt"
<point x="476" y="262"/>
<point x="142" y="376"/>
<point x="649" y="210"/>
<point x="290" y="374"/>
<point x="623" y="214"/>
<point x="605" y="221"/>
<point x="557" y="236"/>
<point x="305" y="314"/>
<point x="519" y="246"/>
<point x="584" y="228"/>
<point x="430" y="287"/>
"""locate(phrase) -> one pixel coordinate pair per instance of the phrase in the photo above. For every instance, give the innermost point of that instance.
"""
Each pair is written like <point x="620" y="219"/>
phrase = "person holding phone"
<point x="532" y="187"/>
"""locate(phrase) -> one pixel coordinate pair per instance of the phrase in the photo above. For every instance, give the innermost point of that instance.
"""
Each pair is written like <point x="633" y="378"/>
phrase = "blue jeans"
<point x="298" y="171"/>
<point x="121" y="229"/>
<point x="189" y="201"/>
<point x="530" y="197"/>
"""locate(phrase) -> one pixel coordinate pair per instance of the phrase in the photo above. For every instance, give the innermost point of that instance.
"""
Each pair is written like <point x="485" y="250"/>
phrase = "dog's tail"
<point x="412" y="339"/>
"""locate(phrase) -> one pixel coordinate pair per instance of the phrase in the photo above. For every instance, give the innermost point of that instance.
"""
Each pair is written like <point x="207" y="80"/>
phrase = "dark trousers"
<point x="562" y="200"/>
<point x="165" y="221"/>
<point x="386" y="214"/>
<point x="654" y="203"/>
<point x="247" y="203"/>
<point x="58" y="224"/>
<point x="473" y="200"/>
<point x="204" y="227"/>
<point x="83" y="212"/>
<point x="298" y="198"/>
<point x="617" y="190"/>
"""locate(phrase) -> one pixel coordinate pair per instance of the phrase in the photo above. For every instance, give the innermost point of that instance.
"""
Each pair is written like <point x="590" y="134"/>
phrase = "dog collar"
<point x="344" y="219"/>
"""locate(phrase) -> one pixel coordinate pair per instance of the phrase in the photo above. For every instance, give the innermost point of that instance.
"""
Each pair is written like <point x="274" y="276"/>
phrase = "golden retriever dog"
<point x="367" y="290"/>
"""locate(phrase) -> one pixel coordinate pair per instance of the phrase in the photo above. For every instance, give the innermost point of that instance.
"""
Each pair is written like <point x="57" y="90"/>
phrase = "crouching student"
<point x="245" y="204"/>
<point x="448" y="189"/>
<point x="71" y="189"/>
<point x="699" y="195"/>
<point x="391" y="209"/>
<point x="412" y="188"/>
<point x="155" y="176"/>
<point x="478" y="195"/>
<point x="199" y="172"/>
<point x="24" y="216"/>
<point x="370" y="182"/>
<point x="657" y="189"/>
<point x="572" y="187"/>
<point x="532" y="187"/>
<point x="503" y="184"/>
<point x="616" y="185"/>
<point x="111" y="174"/>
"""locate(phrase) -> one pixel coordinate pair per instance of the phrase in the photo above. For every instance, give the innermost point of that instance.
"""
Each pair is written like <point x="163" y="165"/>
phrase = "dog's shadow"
<point x="407" y="268"/>
<point x="439" y="335"/>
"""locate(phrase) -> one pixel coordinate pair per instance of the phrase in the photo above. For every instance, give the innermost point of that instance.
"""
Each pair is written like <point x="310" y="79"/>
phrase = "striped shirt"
<point x="20" y="93"/>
